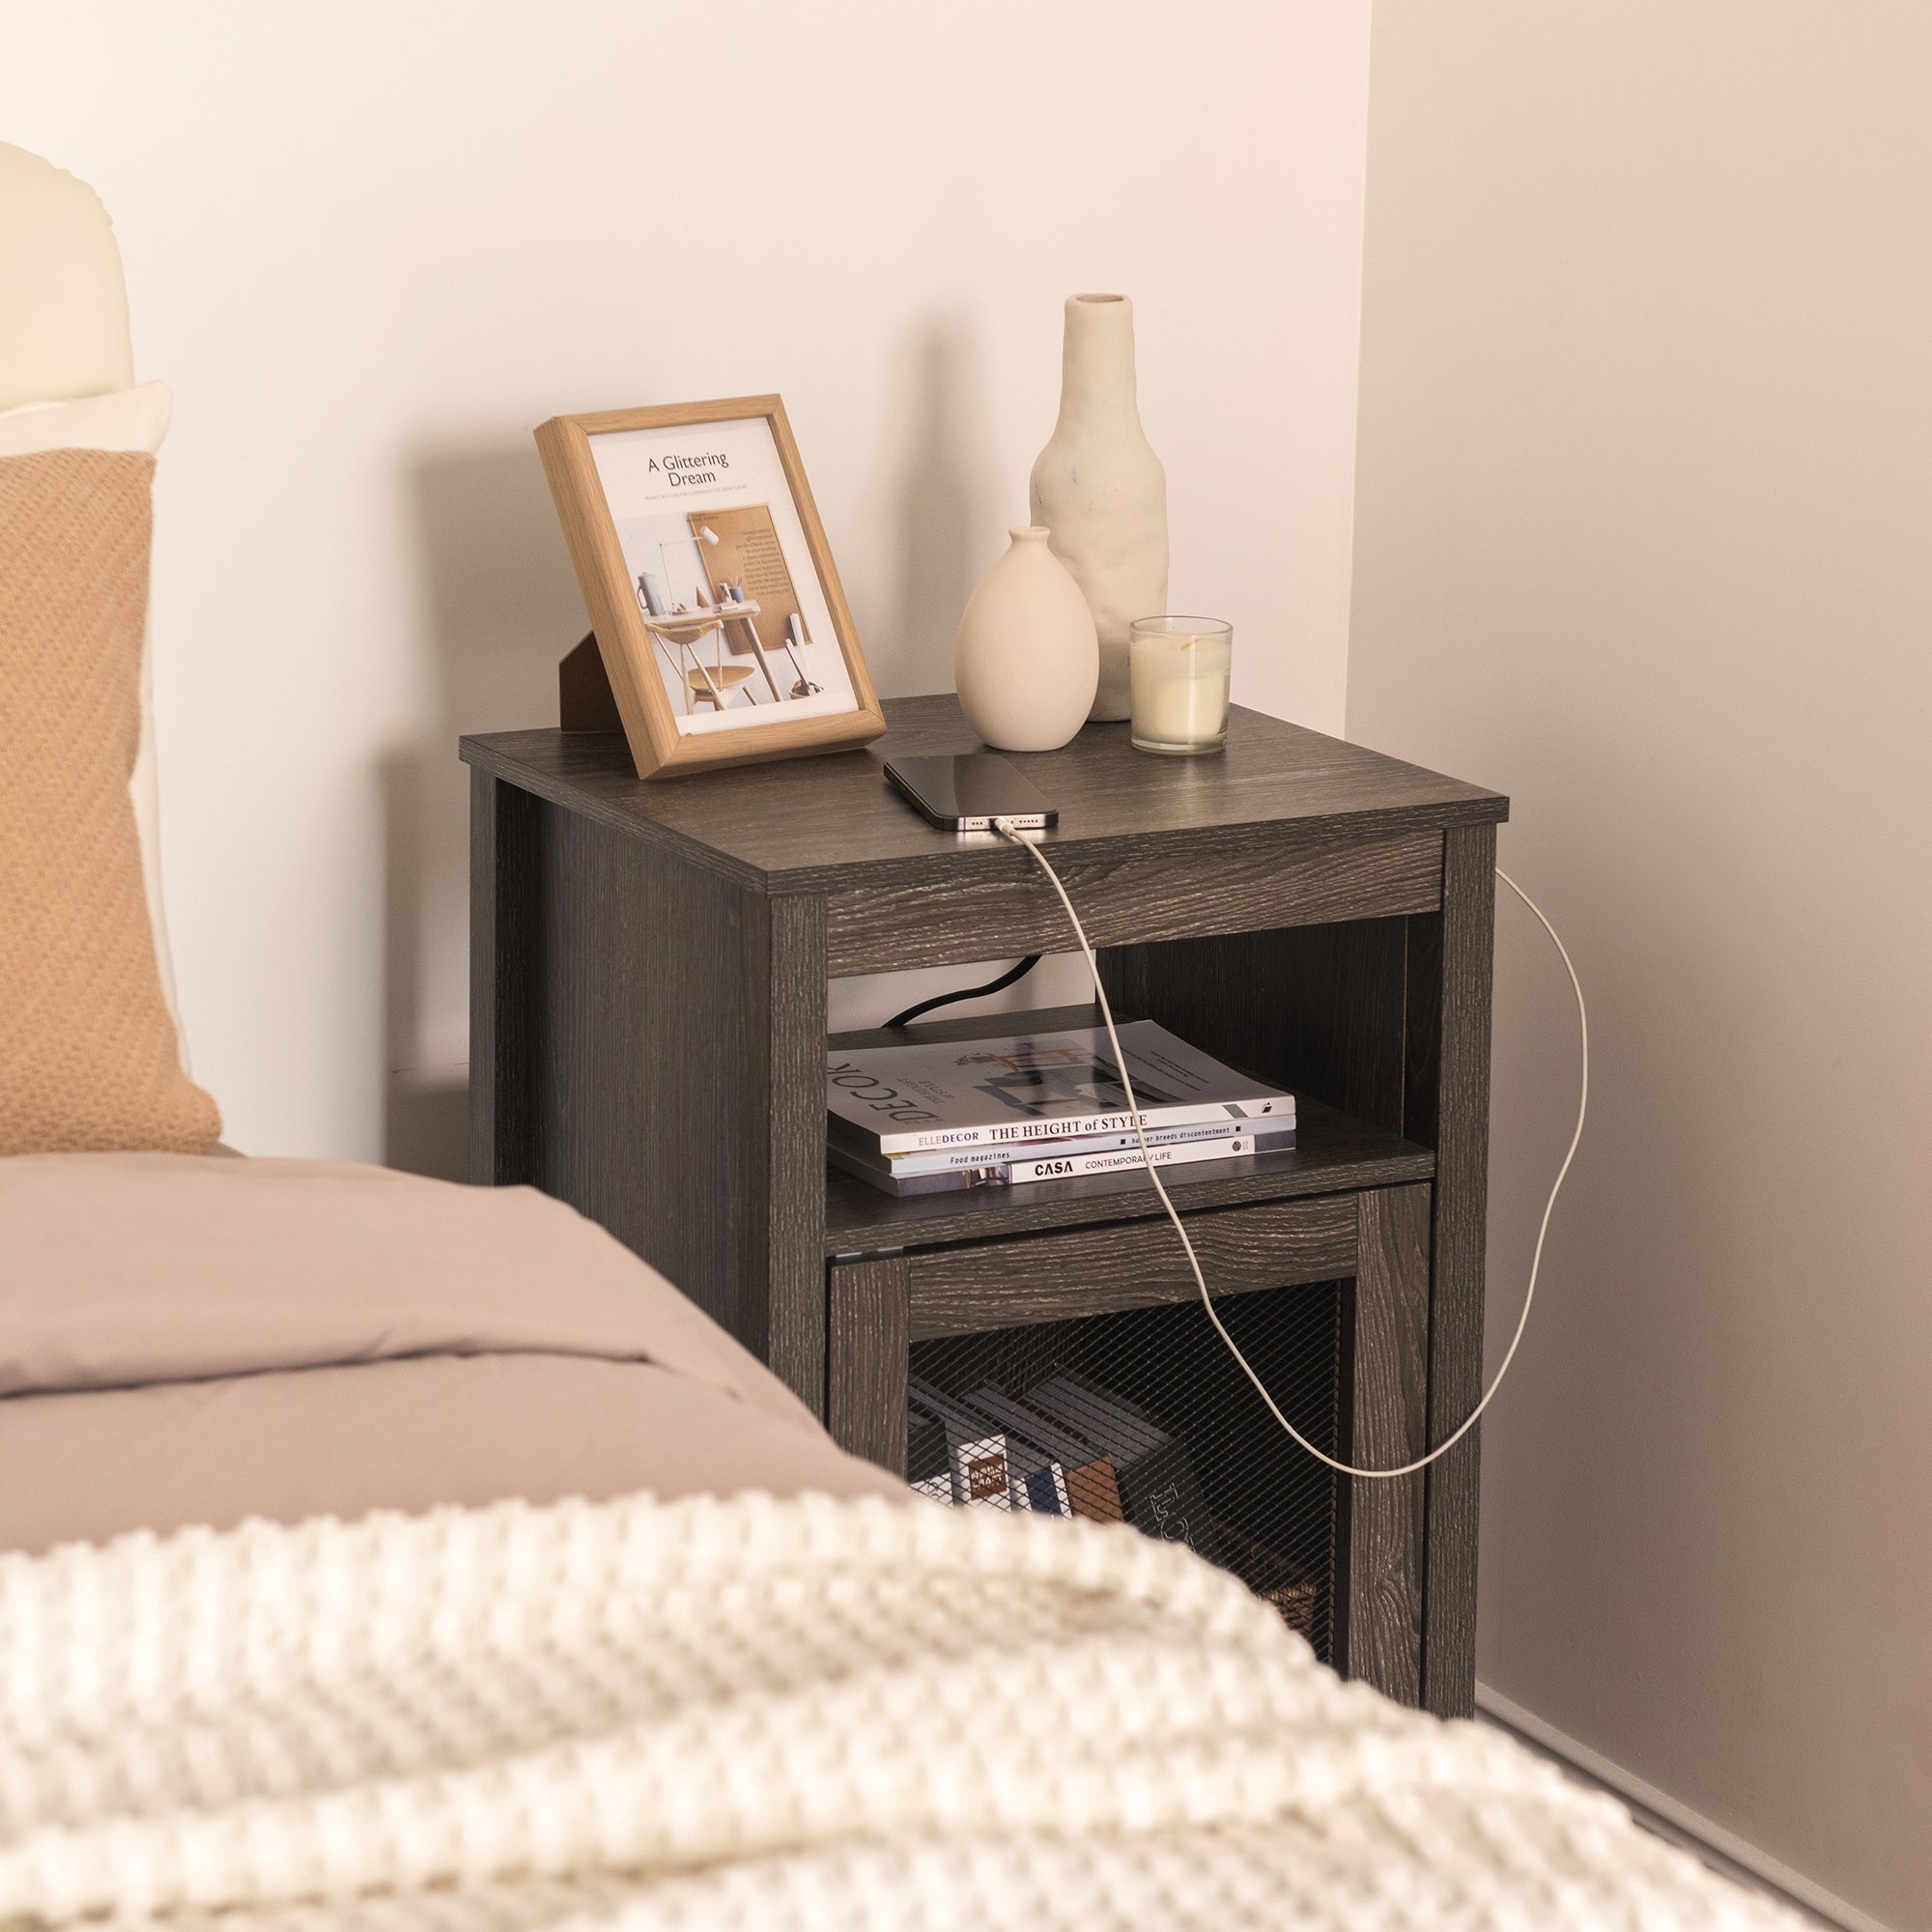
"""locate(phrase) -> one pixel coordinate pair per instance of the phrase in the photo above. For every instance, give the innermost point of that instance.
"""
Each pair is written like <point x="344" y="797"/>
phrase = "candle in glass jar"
<point x="1177" y="672"/>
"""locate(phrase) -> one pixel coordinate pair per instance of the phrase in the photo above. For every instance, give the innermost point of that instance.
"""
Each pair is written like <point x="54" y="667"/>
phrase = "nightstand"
<point x="648" y="1042"/>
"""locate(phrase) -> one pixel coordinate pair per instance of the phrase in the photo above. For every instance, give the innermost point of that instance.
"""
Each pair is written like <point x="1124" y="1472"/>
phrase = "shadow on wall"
<point x="501" y="606"/>
<point x="941" y="503"/>
<point x="947" y="537"/>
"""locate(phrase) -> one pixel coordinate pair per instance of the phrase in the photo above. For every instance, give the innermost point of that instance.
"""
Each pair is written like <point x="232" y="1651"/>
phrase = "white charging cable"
<point x="1005" y="827"/>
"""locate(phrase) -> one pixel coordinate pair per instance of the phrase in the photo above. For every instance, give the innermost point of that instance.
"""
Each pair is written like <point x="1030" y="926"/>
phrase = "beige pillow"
<point x="88" y="1054"/>
<point x="134" y="418"/>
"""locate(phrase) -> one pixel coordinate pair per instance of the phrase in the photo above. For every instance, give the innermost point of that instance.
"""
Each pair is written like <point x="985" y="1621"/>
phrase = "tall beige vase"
<point x="1027" y="659"/>
<point x="1099" y="487"/>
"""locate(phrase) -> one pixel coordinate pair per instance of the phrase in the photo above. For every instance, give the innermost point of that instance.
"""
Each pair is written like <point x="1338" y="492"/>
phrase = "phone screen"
<point x="967" y="792"/>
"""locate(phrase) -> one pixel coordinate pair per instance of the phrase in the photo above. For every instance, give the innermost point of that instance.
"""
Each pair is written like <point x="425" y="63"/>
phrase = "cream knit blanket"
<point x="747" y="1712"/>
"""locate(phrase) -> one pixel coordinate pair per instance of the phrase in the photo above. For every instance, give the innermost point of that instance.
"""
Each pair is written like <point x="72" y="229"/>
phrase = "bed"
<point x="194" y="1340"/>
<point x="380" y="1553"/>
<point x="385" y="1554"/>
<point x="389" y="1553"/>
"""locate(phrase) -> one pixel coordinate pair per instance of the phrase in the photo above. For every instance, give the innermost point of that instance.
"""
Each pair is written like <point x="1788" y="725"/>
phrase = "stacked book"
<point x="1068" y="1447"/>
<point x="929" y="1117"/>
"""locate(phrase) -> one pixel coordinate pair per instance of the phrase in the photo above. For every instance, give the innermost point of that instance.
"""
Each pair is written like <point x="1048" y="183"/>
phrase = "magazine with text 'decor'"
<point x="927" y="1115"/>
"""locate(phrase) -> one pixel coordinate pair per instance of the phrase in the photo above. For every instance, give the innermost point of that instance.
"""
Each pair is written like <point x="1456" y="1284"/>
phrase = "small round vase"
<point x="1026" y="662"/>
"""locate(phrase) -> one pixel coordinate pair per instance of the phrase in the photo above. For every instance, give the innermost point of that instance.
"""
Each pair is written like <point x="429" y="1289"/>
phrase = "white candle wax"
<point x="1179" y="688"/>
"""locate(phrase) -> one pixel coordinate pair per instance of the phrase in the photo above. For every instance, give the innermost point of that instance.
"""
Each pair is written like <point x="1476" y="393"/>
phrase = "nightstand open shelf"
<point x="1332" y="1153"/>
<point x="649" y="965"/>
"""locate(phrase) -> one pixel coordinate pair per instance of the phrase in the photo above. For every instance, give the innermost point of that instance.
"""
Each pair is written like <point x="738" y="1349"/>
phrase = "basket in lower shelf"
<point x="1142" y="1415"/>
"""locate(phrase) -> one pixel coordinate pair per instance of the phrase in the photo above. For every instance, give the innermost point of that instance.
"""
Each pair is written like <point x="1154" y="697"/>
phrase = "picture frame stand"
<point x="584" y="699"/>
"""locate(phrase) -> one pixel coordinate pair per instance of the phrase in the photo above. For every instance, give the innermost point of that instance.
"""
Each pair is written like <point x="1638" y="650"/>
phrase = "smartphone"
<point x="966" y="793"/>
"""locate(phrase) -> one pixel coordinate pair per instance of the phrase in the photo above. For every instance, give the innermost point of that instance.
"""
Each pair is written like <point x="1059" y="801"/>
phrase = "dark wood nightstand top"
<point x="826" y="823"/>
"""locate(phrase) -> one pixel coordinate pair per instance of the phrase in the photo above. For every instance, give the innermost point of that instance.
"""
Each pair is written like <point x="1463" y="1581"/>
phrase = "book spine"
<point x="1056" y="1167"/>
<point x="1077" y="1127"/>
<point x="942" y="1160"/>
<point x="1067" y="1167"/>
<point x="1093" y="1490"/>
<point x="980" y="1473"/>
<point x="976" y="1454"/>
<point x="1158" y="1489"/>
<point x="1037" y="1484"/>
<point x="925" y="1448"/>
<point x="1088" y="1481"/>
<point x="951" y="1180"/>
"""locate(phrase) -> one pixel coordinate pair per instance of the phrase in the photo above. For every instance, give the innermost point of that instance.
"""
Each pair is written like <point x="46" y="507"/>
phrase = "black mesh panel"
<point x="1148" y="1404"/>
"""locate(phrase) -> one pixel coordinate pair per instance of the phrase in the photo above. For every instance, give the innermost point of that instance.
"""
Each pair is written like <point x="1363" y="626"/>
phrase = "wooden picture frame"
<point x="663" y="634"/>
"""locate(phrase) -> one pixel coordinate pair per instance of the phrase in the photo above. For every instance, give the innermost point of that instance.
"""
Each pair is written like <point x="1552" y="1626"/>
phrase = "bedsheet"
<point x="186" y="1339"/>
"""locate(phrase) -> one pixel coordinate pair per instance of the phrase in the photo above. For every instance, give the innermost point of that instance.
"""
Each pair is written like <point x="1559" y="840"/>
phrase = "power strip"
<point x="1006" y="830"/>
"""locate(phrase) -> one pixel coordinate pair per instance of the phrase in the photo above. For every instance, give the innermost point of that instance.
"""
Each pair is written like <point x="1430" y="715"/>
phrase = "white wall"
<point x="1646" y="472"/>
<point x="371" y="246"/>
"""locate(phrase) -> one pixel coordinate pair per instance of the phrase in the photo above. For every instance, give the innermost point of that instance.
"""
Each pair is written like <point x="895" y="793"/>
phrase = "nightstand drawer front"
<point x="1327" y="1297"/>
<point x="1246" y="879"/>
<point x="1132" y="1264"/>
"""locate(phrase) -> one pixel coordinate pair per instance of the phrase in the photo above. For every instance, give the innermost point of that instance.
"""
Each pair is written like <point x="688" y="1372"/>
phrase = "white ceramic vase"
<point x="1099" y="487"/>
<point x="1027" y="659"/>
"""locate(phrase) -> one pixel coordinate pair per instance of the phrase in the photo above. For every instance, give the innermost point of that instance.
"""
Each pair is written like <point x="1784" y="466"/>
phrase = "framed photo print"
<point x="711" y="589"/>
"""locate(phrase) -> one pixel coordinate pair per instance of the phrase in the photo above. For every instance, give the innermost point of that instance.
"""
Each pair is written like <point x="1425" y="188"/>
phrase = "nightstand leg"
<point x="1448" y="1108"/>
<point x="1381" y="1636"/>
<point x="788" y="1111"/>
<point x="504" y="879"/>
<point x="866" y="1377"/>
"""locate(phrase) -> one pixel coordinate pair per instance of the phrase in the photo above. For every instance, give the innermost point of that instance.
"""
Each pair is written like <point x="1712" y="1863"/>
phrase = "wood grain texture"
<point x="645" y="1071"/>
<point x="677" y="1081"/>
<point x="1330" y="1028"/>
<point x="789" y="1107"/>
<point x="1449" y="1107"/>
<point x="865" y="1382"/>
<point x="1011" y="1284"/>
<point x="1382" y="1627"/>
<point x="1215" y="881"/>
<point x="505" y="964"/>
<point x="831" y="824"/>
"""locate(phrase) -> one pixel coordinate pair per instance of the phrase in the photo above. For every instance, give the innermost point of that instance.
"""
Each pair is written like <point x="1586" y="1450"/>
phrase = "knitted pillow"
<point x="88" y="1056"/>
<point x="137" y="420"/>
